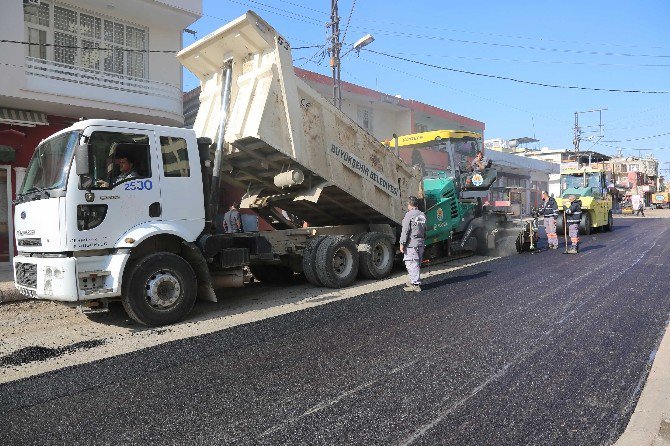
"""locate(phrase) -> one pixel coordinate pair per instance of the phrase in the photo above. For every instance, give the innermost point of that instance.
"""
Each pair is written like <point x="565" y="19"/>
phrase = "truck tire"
<point x="375" y="261"/>
<point x="161" y="289"/>
<point x="272" y="273"/>
<point x="482" y="248"/>
<point x="610" y="222"/>
<point x="560" y="225"/>
<point x="507" y="245"/>
<point x="337" y="262"/>
<point x="585" y="224"/>
<point x="309" y="260"/>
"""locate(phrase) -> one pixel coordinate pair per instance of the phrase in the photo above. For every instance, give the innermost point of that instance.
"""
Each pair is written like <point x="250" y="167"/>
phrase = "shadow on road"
<point x="453" y="280"/>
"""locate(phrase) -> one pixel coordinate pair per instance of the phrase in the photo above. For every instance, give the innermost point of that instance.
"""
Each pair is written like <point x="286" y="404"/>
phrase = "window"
<point x="175" y="157"/>
<point x="116" y="158"/>
<point x="85" y="40"/>
<point x="420" y="128"/>
<point x="365" y="118"/>
<point x="37" y="19"/>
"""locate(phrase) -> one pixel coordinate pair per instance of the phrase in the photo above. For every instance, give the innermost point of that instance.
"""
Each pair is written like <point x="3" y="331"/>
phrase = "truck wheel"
<point x="610" y="222"/>
<point x="309" y="260"/>
<point x="161" y="290"/>
<point x="482" y="248"/>
<point x="585" y="224"/>
<point x="560" y="225"/>
<point x="507" y="245"/>
<point x="272" y="273"/>
<point x="376" y="260"/>
<point x="337" y="261"/>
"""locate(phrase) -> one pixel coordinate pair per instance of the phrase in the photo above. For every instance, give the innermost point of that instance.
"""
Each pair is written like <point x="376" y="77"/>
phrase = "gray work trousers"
<point x="412" y="260"/>
<point x="573" y="232"/>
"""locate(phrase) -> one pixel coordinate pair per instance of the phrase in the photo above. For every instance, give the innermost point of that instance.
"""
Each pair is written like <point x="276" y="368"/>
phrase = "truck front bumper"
<point x="69" y="279"/>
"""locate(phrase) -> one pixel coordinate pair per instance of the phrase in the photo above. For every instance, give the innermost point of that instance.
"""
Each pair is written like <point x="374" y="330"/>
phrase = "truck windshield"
<point x="50" y="164"/>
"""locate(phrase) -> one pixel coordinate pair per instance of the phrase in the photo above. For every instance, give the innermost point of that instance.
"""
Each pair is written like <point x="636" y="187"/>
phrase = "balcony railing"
<point x="97" y="78"/>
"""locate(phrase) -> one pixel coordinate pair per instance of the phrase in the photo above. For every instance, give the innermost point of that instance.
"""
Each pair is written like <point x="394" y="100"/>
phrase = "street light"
<point x="360" y="43"/>
<point x="336" y="64"/>
<point x="363" y="41"/>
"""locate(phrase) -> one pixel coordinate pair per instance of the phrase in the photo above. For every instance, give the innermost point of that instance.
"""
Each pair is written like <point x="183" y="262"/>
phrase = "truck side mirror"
<point x="81" y="159"/>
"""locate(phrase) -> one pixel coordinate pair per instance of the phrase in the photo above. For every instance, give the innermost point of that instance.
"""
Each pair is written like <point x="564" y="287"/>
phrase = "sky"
<point x="620" y="45"/>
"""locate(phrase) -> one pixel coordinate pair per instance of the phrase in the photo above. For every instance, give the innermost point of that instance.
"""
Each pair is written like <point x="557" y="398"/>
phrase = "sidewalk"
<point x="8" y="292"/>
<point x="650" y="423"/>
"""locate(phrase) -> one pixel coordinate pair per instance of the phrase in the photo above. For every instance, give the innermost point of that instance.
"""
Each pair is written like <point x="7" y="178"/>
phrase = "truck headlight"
<point x="90" y="216"/>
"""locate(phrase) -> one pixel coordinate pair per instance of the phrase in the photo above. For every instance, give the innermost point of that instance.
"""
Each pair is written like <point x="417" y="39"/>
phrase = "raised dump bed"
<point x="286" y="145"/>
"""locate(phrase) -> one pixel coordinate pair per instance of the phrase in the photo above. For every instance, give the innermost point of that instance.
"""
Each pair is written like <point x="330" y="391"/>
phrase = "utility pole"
<point x="578" y="130"/>
<point x="578" y="133"/>
<point x="335" y="54"/>
<point x="639" y="152"/>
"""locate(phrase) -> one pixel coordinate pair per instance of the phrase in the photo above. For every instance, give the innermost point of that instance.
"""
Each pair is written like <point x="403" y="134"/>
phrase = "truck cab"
<point x="95" y="191"/>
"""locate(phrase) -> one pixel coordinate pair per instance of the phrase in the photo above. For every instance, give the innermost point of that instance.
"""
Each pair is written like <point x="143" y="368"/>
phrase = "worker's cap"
<point x="544" y="192"/>
<point x="413" y="201"/>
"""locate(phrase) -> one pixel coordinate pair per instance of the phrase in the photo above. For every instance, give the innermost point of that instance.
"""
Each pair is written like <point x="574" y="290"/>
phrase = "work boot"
<point x="412" y="288"/>
<point x="572" y="250"/>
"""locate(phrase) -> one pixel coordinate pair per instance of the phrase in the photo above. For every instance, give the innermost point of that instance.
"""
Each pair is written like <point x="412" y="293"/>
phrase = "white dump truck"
<point x="123" y="210"/>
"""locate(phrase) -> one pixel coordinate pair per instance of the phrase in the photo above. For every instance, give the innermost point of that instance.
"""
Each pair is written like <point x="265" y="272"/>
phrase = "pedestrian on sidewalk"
<point x="412" y="242"/>
<point x="549" y="210"/>
<point x="640" y="208"/>
<point x="573" y="216"/>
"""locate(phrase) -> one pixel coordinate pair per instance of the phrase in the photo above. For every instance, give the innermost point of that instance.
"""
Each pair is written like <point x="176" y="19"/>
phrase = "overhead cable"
<point x="511" y="79"/>
<point x="97" y="48"/>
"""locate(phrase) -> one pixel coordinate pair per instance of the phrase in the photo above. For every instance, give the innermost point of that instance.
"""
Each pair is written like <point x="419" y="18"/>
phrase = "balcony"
<point x="95" y="89"/>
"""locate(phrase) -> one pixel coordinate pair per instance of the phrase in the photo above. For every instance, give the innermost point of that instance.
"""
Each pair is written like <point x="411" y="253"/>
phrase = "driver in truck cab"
<point x="126" y="169"/>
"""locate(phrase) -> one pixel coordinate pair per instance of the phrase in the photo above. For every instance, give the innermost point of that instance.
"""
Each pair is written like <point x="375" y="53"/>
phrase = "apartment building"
<point x="61" y="61"/>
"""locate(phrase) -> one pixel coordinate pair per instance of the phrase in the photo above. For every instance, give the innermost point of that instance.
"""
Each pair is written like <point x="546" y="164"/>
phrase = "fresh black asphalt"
<point x="532" y="349"/>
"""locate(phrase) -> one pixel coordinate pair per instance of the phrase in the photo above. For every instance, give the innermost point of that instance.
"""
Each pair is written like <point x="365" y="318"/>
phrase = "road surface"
<point x="546" y="349"/>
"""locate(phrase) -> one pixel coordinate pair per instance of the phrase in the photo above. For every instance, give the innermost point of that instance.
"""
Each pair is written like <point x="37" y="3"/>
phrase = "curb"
<point x="650" y="423"/>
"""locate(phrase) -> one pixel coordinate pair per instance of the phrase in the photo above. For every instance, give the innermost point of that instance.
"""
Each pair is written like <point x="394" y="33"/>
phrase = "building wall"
<point x="75" y="91"/>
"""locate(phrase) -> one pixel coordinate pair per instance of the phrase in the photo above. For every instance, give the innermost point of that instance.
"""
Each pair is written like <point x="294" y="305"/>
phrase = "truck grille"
<point x="26" y="274"/>
<point x="30" y="242"/>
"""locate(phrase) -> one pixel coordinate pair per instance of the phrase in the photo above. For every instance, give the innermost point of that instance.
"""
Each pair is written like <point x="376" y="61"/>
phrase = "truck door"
<point x="124" y="185"/>
<point x="181" y="179"/>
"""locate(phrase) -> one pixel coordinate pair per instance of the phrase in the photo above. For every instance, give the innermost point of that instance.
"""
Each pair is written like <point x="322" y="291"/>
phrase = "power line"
<point x="469" y="93"/>
<point x="346" y="28"/>
<point x="560" y="62"/>
<point x="646" y="137"/>
<point x="520" y="81"/>
<point x="306" y="7"/>
<point x="55" y="45"/>
<point x="506" y="45"/>
<point x="274" y="10"/>
<point x="509" y="36"/>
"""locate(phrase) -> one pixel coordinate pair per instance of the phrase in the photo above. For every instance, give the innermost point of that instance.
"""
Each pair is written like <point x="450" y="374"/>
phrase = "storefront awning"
<point x="7" y="154"/>
<point x="25" y="118"/>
